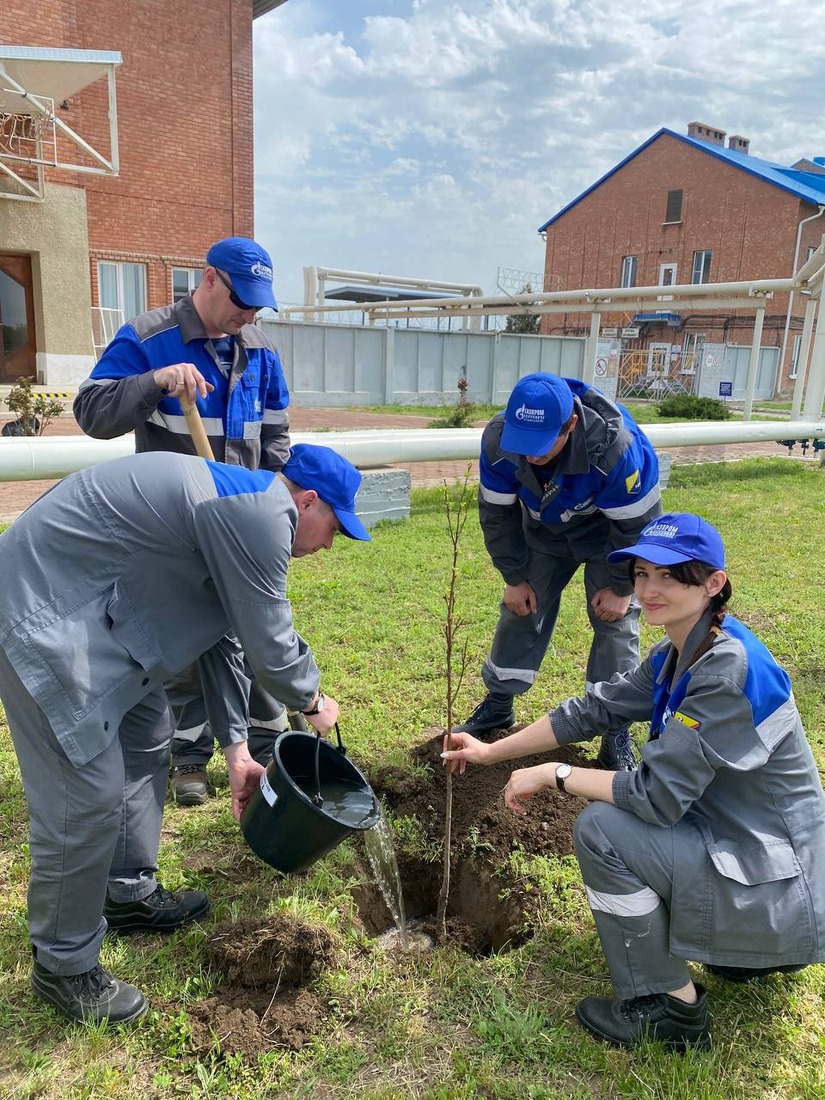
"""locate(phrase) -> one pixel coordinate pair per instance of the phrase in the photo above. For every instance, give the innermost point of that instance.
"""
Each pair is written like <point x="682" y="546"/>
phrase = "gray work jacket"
<point x="729" y="768"/>
<point x="128" y="571"/>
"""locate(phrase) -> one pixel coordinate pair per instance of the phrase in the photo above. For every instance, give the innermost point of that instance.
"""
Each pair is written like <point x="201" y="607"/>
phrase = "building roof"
<point x="261" y="7"/>
<point x="807" y="186"/>
<point x="381" y="294"/>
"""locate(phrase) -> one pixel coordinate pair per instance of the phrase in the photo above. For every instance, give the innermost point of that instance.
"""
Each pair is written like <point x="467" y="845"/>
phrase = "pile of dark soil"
<point x="489" y="908"/>
<point x="262" y="1003"/>
<point x="481" y="822"/>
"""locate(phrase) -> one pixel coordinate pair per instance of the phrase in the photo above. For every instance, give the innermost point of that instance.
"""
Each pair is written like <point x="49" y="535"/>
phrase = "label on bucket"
<point x="267" y="791"/>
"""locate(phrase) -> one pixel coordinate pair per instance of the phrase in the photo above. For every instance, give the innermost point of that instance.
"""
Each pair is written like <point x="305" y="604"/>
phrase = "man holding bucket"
<point x="119" y="576"/>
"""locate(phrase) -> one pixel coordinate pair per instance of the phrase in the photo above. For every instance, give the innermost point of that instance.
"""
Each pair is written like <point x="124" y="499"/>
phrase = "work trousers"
<point x="627" y="867"/>
<point x="520" y="641"/>
<point x="194" y="740"/>
<point x="93" y="829"/>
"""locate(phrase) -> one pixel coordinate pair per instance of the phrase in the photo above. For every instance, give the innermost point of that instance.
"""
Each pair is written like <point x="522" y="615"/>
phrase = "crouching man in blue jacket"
<point x="567" y="477"/>
<point x="120" y="576"/>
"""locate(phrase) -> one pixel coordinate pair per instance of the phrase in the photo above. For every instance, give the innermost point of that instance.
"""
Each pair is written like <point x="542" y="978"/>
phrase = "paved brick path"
<point x="17" y="495"/>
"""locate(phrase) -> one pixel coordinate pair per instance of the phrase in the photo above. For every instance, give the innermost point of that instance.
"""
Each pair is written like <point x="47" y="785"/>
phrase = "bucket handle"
<point x="342" y="748"/>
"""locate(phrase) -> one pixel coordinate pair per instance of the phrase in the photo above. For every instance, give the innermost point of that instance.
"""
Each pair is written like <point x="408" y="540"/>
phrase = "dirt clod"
<point x="262" y="1003"/>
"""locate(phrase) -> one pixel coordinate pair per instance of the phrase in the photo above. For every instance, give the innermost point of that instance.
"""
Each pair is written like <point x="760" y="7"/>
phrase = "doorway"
<point x="18" y="350"/>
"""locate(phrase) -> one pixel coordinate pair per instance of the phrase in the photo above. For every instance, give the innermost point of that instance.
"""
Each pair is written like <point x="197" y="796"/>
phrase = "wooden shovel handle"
<point x="196" y="429"/>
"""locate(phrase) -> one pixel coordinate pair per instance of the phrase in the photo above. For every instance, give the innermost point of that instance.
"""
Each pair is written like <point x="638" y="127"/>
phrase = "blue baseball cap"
<point x="334" y="479"/>
<point x="538" y="406"/>
<point x="676" y="537"/>
<point x="249" y="269"/>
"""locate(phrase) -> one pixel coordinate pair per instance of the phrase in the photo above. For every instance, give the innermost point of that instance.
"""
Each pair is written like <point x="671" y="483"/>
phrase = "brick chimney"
<point x="738" y="143"/>
<point x="706" y="133"/>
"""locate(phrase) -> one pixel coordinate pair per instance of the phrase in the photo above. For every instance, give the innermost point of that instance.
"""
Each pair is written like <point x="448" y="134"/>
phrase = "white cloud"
<point x="433" y="138"/>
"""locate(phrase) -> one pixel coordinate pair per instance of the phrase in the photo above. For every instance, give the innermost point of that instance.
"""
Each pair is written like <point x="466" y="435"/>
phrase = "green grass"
<point x="443" y="1026"/>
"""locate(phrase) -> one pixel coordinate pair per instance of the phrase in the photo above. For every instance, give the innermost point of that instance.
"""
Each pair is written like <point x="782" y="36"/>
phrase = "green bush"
<point x="689" y="407"/>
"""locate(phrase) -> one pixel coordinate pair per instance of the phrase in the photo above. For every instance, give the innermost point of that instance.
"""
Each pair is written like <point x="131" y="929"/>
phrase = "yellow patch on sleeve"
<point x="691" y="723"/>
<point x="632" y="483"/>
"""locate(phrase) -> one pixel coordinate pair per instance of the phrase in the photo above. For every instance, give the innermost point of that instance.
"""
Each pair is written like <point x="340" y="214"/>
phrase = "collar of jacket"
<point x="190" y="324"/>
<point x="674" y="666"/>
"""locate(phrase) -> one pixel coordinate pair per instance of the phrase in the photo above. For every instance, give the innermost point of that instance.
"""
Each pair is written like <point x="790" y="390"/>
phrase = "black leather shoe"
<point x="657" y="1016"/>
<point x="741" y="974"/>
<point x="616" y="753"/>
<point x="93" y="996"/>
<point x="494" y="712"/>
<point x="162" y="911"/>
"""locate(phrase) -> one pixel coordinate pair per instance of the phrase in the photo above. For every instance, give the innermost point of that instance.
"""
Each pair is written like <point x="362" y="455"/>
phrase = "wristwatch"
<point x="562" y="772"/>
<point x="319" y="706"/>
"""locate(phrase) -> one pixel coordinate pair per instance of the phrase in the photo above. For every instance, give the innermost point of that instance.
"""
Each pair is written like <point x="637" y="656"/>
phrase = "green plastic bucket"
<point x="286" y="823"/>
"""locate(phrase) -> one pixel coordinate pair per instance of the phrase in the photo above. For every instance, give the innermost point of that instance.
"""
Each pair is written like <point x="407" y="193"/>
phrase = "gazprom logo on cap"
<point x="660" y="531"/>
<point x="261" y="269"/>
<point x="530" y="416"/>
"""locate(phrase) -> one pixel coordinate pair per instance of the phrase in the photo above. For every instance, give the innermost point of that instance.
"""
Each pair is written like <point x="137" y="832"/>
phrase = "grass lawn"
<point x="444" y="1025"/>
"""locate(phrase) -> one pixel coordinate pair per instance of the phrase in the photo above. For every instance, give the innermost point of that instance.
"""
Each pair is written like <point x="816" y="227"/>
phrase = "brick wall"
<point x="184" y="103"/>
<point x="749" y="226"/>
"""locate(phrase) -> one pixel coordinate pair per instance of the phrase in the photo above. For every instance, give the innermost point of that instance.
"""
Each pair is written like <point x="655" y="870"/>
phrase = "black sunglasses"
<point x="233" y="297"/>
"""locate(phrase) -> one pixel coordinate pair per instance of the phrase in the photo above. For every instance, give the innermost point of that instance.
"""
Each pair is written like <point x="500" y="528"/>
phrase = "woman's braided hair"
<point x="695" y="573"/>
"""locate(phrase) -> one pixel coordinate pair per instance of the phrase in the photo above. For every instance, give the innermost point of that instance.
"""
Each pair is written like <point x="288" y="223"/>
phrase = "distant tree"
<point x="523" y="322"/>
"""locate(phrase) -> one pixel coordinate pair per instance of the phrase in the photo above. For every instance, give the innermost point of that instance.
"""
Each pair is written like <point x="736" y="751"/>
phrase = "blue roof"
<point x="807" y="186"/>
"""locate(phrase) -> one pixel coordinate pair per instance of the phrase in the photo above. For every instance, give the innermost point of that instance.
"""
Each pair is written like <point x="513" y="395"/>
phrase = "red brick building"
<point x="184" y="129"/>
<point x="690" y="209"/>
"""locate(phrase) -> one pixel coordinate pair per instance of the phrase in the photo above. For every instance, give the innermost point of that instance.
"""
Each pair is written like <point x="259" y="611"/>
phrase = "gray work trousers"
<point x="194" y="740"/>
<point x="93" y="829"/>
<point x="627" y="867"/>
<point x="520" y="641"/>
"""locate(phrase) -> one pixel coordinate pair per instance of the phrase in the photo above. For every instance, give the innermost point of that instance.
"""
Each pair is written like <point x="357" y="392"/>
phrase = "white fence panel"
<point x="339" y="365"/>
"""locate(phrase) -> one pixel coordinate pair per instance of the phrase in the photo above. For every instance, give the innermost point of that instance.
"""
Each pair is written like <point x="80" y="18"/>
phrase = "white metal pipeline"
<point x="30" y="459"/>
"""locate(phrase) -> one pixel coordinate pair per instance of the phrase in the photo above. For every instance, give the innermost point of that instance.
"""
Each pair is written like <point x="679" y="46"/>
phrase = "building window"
<point x="797" y="344"/>
<point x="184" y="281"/>
<point x="629" y="265"/>
<point x="701" y="267"/>
<point x="673" y="212"/>
<point x="123" y="287"/>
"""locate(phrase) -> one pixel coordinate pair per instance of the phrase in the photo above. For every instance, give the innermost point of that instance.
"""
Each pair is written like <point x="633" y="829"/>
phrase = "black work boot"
<point x="616" y="753"/>
<point x="494" y="712"/>
<point x="657" y="1016"/>
<point x="741" y="974"/>
<point x="92" y="996"/>
<point x="162" y="911"/>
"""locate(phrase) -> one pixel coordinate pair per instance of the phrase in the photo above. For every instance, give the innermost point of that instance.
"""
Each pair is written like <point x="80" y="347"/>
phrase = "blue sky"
<point x="432" y="138"/>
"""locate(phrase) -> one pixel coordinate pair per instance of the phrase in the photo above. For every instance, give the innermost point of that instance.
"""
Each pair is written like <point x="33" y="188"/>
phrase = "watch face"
<point x="564" y="770"/>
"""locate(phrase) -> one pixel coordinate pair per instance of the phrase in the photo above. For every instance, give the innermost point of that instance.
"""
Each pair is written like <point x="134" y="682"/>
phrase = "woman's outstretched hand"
<point x="464" y="749"/>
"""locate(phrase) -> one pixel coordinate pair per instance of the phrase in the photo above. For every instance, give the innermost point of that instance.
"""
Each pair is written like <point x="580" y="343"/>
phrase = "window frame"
<point x="671" y="200"/>
<point x="630" y="271"/>
<point x="193" y="280"/>
<point x="120" y="288"/>
<point x="702" y="258"/>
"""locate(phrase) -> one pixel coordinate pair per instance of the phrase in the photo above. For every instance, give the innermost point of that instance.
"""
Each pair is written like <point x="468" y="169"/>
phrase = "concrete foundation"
<point x="384" y="494"/>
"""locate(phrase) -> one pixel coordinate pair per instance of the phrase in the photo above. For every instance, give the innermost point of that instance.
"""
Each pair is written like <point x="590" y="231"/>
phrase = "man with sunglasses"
<point x="208" y="348"/>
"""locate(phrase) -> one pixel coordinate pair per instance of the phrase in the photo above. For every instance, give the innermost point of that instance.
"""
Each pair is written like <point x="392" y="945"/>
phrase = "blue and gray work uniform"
<point x="541" y="523"/>
<point x="715" y="848"/>
<point x="246" y="419"/>
<point x="121" y="575"/>
<point x="245" y="416"/>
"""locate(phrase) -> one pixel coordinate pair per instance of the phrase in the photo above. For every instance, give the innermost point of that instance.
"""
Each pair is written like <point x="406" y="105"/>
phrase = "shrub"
<point x="689" y="407"/>
<point x="34" y="410"/>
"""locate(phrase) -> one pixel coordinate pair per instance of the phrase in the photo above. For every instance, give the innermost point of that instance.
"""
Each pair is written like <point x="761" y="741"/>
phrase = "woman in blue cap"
<point x="714" y="849"/>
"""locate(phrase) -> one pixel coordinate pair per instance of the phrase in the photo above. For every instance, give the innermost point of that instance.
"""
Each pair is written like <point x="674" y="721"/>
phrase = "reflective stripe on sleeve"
<point x="492" y="497"/>
<point x="212" y="425"/>
<point x="636" y="507"/>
